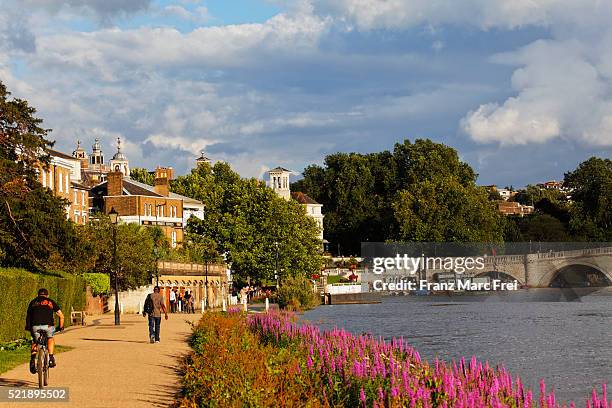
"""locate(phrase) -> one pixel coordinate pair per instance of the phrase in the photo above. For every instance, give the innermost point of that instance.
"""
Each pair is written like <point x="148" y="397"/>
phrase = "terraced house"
<point x="63" y="177"/>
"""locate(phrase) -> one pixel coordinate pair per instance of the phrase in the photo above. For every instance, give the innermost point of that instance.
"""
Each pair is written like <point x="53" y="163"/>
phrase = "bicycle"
<point x="42" y="359"/>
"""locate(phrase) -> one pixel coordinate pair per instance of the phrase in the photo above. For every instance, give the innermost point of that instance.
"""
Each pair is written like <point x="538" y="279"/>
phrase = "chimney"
<point x="163" y="175"/>
<point x="114" y="185"/>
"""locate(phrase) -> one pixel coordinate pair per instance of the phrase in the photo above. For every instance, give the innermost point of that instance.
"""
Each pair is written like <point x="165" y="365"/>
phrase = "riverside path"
<point x="114" y="366"/>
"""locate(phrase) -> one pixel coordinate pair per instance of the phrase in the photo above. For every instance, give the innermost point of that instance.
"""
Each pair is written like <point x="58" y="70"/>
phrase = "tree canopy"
<point x="249" y="224"/>
<point x="421" y="191"/>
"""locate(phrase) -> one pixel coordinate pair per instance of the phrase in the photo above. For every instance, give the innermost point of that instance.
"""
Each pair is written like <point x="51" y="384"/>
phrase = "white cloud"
<point x="562" y="91"/>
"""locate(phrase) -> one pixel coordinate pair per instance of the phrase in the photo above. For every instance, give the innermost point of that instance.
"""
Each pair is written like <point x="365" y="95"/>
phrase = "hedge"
<point x="18" y="287"/>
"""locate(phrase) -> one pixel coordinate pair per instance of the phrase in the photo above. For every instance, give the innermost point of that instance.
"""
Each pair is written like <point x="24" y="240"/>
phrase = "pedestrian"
<point x="179" y="301"/>
<point x="187" y="301"/>
<point x="172" y="301"/>
<point x="155" y="304"/>
<point x="192" y="304"/>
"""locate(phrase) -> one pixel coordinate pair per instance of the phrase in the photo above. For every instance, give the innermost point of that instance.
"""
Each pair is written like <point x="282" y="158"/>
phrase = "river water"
<point x="535" y="334"/>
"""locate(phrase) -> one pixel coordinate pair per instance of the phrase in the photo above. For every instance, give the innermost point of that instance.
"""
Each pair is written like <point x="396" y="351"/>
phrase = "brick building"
<point x="146" y="205"/>
<point x="514" y="208"/>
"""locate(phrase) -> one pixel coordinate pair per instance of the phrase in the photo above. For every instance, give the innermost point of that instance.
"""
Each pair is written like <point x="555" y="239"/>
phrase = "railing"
<point x="190" y="269"/>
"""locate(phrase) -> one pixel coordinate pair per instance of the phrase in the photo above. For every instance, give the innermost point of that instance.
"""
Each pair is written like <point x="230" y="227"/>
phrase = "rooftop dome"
<point x="119" y="155"/>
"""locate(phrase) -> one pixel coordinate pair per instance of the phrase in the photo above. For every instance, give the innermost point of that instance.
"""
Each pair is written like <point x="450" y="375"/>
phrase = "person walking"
<point x="179" y="301"/>
<point x="187" y="301"/>
<point x="154" y="306"/>
<point x="172" y="301"/>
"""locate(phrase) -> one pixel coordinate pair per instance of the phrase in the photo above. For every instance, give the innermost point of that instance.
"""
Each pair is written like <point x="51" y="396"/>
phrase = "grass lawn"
<point x="333" y="279"/>
<point x="10" y="359"/>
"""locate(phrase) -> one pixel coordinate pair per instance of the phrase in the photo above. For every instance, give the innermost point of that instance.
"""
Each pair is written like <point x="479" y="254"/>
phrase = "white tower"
<point x="279" y="182"/>
<point x="119" y="162"/>
<point x="96" y="160"/>
<point x="203" y="160"/>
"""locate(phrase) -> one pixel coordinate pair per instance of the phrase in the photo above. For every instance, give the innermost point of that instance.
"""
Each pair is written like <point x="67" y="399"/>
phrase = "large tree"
<point x="591" y="192"/>
<point x="400" y="195"/>
<point x="34" y="232"/>
<point x="135" y="251"/>
<point x="249" y="224"/>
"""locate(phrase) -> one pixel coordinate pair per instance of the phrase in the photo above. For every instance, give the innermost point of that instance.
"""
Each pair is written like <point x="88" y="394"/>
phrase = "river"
<point x="535" y="334"/>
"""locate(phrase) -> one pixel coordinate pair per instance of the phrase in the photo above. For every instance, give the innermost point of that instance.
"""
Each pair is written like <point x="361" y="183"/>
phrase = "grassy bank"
<point x="268" y="360"/>
<point x="14" y="355"/>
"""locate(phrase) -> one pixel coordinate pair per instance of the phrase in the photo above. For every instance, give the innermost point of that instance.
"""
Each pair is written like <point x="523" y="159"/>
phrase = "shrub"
<point x="297" y="293"/>
<point x="230" y="367"/>
<point x="98" y="282"/>
<point x="19" y="287"/>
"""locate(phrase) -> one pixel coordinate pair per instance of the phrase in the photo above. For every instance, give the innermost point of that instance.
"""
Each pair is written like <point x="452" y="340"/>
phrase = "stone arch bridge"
<point x="543" y="268"/>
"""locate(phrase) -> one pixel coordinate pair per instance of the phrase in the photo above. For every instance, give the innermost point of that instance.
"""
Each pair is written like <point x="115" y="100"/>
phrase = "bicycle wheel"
<point x="39" y="366"/>
<point x="46" y="368"/>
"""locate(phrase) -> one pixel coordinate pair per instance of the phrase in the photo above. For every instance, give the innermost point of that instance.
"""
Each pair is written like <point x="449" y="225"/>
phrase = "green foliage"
<point x="34" y="232"/>
<point x="297" y="294"/>
<point x="420" y="191"/>
<point x="135" y="255"/>
<point x="99" y="283"/>
<point x="20" y="286"/>
<point x="591" y="210"/>
<point x="13" y="357"/>
<point x="41" y="238"/>
<point x="244" y="220"/>
<point x="532" y="195"/>
<point x="231" y="367"/>
<point x="142" y="175"/>
<point x="446" y="210"/>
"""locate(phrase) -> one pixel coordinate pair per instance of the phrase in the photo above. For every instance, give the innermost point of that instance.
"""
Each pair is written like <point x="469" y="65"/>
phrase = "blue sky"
<point x="521" y="89"/>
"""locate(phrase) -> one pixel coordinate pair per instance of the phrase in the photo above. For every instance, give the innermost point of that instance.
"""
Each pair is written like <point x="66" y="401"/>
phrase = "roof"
<point x="79" y="185"/>
<point x="137" y="188"/>
<point x="60" y="154"/>
<point x="302" y="198"/>
<point x="150" y="191"/>
<point x="280" y="169"/>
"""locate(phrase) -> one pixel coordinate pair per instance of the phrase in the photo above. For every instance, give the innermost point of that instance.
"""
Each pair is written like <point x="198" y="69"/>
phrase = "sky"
<point x="522" y="89"/>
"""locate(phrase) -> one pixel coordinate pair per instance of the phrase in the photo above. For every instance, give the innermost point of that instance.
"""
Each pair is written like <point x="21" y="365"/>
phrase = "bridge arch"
<point x="577" y="274"/>
<point x="504" y="276"/>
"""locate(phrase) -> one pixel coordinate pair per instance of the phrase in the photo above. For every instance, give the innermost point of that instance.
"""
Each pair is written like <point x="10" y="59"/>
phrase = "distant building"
<point x="514" y="208"/>
<point x="504" y="193"/>
<point x="279" y="182"/>
<point x="63" y="178"/>
<point x="203" y="160"/>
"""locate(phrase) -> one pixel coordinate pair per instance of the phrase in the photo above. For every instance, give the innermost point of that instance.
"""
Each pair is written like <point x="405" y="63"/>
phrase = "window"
<point x="44" y="178"/>
<point x="59" y="179"/>
<point x="173" y="238"/>
<point x="76" y="198"/>
<point x="83" y="198"/>
<point x="51" y="180"/>
<point x="67" y="178"/>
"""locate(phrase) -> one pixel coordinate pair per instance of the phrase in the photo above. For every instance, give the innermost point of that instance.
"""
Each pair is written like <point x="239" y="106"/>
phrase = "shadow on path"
<point x="7" y="382"/>
<point x="117" y="340"/>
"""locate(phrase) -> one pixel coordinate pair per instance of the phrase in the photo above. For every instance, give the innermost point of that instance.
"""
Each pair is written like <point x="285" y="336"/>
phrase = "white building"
<point x="279" y="182"/>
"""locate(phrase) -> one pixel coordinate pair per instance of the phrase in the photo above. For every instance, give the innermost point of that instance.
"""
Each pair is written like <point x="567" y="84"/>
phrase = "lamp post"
<point x="156" y="253"/>
<point x="114" y="215"/>
<point x="206" y="281"/>
<point x="276" y="271"/>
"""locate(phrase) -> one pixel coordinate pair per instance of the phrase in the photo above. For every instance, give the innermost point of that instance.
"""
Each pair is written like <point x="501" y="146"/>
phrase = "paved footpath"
<point x="114" y="366"/>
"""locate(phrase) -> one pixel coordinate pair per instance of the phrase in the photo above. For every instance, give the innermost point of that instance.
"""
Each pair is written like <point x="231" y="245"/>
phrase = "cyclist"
<point x="40" y="317"/>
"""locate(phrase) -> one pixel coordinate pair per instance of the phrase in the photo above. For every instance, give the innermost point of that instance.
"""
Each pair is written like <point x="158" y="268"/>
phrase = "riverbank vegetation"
<point x="422" y="191"/>
<point x="270" y="360"/>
